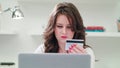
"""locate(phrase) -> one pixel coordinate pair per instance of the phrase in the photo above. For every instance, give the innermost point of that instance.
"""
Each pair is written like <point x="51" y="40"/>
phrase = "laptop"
<point x="53" y="60"/>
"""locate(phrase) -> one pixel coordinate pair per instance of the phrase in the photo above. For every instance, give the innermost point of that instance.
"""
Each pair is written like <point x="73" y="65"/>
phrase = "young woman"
<point x="65" y="23"/>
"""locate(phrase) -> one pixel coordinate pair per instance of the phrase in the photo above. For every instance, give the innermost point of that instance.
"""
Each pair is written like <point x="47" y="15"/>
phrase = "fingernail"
<point x="69" y="50"/>
<point x="74" y="45"/>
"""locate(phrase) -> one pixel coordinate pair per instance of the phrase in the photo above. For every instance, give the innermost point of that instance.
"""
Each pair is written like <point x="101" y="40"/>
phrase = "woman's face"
<point x="63" y="29"/>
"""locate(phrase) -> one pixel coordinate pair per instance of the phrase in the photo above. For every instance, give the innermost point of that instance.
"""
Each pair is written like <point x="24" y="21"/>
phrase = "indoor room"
<point x="101" y="19"/>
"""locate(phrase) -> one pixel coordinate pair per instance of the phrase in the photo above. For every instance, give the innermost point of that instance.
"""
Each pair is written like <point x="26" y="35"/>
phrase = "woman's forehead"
<point x="63" y="19"/>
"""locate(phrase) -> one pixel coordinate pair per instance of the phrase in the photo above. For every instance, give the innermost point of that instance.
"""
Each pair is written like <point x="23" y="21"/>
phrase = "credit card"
<point x="69" y="42"/>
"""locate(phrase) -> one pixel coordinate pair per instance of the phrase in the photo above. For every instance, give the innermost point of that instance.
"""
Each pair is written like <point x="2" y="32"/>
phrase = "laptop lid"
<point x="53" y="60"/>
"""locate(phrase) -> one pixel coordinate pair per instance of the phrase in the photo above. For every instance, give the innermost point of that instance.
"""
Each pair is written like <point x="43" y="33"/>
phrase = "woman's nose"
<point x="64" y="31"/>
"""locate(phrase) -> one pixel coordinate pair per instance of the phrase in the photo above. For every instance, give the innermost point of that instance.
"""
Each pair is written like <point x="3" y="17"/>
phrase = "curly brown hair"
<point x="75" y="19"/>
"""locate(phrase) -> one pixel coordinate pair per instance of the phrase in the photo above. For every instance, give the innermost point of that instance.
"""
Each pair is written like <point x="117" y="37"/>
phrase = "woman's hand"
<point x="76" y="49"/>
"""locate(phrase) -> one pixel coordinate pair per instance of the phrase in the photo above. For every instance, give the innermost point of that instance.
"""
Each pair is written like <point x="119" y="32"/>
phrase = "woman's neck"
<point x="62" y="48"/>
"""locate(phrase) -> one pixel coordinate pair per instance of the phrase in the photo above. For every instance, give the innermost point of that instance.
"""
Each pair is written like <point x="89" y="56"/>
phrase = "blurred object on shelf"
<point x="118" y="24"/>
<point x="95" y="29"/>
<point x="7" y="63"/>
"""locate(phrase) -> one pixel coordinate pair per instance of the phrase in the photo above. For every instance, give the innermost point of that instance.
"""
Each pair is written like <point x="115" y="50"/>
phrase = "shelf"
<point x="95" y="34"/>
<point x="103" y="34"/>
<point x="7" y="33"/>
<point x="36" y="34"/>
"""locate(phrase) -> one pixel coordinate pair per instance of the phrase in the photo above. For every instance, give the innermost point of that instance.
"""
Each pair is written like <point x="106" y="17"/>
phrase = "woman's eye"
<point x="59" y="26"/>
<point x="69" y="27"/>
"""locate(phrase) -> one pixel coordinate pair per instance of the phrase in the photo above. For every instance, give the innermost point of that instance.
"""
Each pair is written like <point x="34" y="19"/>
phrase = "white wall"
<point x="36" y="16"/>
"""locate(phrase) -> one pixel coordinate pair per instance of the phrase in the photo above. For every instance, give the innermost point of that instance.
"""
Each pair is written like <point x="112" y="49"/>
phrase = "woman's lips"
<point x="64" y="37"/>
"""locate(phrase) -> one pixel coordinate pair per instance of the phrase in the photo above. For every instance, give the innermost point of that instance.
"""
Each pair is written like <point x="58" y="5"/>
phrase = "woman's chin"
<point x="63" y="41"/>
